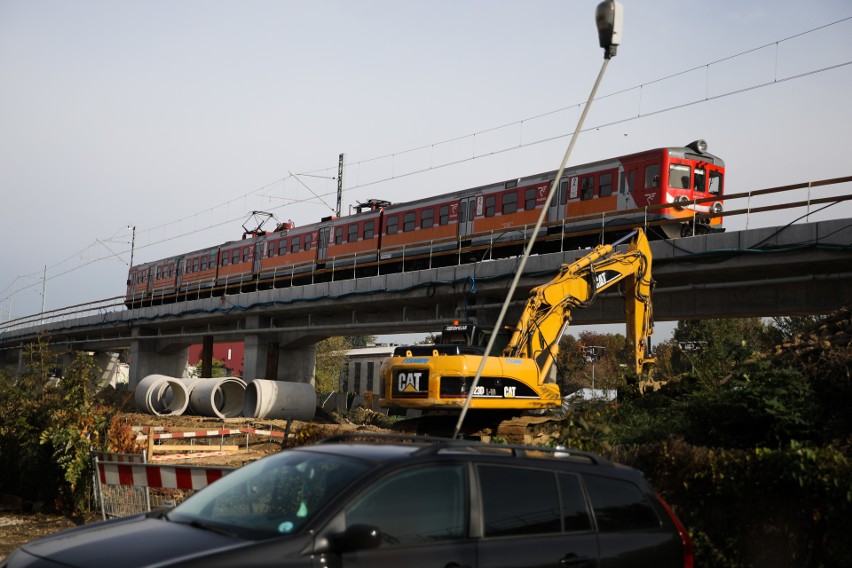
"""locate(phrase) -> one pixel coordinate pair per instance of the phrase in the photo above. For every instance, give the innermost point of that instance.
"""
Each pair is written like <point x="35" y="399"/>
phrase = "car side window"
<point x="415" y="506"/>
<point x="575" y="513"/>
<point x="619" y="505"/>
<point x="518" y="501"/>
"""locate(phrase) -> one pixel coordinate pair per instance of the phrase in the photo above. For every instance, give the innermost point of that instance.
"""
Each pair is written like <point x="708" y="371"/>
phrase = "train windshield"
<point x="703" y="181"/>
<point x="715" y="187"/>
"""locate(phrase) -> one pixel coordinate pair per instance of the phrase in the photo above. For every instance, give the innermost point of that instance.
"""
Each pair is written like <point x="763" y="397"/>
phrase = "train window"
<point x="444" y="215"/>
<point x="563" y="192"/>
<point x="338" y="235"/>
<point x="699" y="181"/>
<point x="235" y="256"/>
<point x="463" y="215"/>
<point x="203" y="263"/>
<point x="490" y="205"/>
<point x="529" y="199"/>
<point x="171" y="270"/>
<point x="605" y="185"/>
<point x="212" y="263"/>
<point x="679" y="176"/>
<point x="427" y="218"/>
<point x="652" y="176"/>
<point x="715" y="183"/>
<point x="510" y="202"/>
<point x="282" y="247"/>
<point x="588" y="187"/>
<point x="195" y="264"/>
<point x="295" y="244"/>
<point x="353" y="233"/>
<point x="247" y="256"/>
<point x="409" y="221"/>
<point x="309" y="239"/>
<point x="226" y="258"/>
<point x="369" y="229"/>
<point x="392" y="225"/>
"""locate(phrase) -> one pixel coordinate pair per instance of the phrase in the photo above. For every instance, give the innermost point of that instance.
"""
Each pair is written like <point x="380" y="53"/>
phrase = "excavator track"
<point x="487" y="426"/>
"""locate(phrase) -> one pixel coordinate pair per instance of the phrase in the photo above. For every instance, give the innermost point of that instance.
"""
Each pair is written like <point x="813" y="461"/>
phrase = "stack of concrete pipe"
<point x="225" y="397"/>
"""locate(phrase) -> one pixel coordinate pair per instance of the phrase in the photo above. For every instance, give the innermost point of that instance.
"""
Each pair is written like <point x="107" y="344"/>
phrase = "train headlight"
<point x="717" y="208"/>
<point x="680" y="200"/>
<point x="699" y="146"/>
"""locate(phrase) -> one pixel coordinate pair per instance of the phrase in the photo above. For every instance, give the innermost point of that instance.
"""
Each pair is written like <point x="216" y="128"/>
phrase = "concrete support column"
<point x="207" y="356"/>
<point x="110" y="368"/>
<point x="256" y="347"/>
<point x="297" y="364"/>
<point x="150" y="356"/>
<point x="279" y="357"/>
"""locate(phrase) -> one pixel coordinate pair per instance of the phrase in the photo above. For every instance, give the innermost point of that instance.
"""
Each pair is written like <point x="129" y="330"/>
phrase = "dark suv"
<point x="404" y="501"/>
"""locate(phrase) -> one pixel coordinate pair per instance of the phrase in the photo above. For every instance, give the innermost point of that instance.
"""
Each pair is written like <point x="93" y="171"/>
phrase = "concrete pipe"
<point x="279" y="399"/>
<point x="161" y="395"/>
<point x="221" y="397"/>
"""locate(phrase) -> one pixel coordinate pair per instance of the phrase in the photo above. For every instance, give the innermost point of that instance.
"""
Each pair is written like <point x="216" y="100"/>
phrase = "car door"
<point x="533" y="517"/>
<point x="422" y="515"/>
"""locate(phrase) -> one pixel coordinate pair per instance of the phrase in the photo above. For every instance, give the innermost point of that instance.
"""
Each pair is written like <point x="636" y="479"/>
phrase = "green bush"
<point x="755" y="507"/>
<point x="46" y="431"/>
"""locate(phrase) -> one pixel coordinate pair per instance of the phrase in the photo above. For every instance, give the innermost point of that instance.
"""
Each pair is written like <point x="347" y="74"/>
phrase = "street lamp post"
<point x="609" y="20"/>
<point x="592" y="353"/>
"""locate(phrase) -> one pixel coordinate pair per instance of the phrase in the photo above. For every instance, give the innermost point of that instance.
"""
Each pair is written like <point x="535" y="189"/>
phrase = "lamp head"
<point x="609" y="17"/>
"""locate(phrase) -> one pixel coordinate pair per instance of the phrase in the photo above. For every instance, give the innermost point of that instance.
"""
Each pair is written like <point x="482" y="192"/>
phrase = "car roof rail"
<point x="435" y="444"/>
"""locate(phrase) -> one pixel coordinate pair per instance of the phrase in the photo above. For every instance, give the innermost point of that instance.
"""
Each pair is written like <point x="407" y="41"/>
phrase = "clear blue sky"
<point x="181" y="117"/>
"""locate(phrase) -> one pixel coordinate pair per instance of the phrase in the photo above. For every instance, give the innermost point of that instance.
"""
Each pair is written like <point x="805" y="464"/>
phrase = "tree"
<point x="219" y="369"/>
<point x="710" y="349"/>
<point x="331" y="362"/>
<point x="357" y="341"/>
<point x="595" y="359"/>
<point x="788" y="327"/>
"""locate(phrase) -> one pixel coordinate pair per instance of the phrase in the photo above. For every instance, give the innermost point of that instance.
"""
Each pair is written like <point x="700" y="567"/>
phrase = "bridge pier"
<point x="279" y="357"/>
<point x="150" y="356"/>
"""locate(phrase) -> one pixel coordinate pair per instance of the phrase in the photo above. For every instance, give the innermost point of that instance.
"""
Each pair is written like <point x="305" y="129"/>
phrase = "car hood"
<point x="132" y="542"/>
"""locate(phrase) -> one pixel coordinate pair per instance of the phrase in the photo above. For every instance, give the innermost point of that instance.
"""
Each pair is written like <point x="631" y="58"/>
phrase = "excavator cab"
<point x="472" y="335"/>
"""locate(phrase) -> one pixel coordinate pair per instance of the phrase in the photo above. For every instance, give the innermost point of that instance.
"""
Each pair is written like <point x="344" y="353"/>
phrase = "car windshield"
<point x="270" y="497"/>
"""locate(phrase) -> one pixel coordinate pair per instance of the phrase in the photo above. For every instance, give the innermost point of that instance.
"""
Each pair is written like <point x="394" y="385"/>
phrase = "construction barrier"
<point x="122" y="481"/>
<point x="118" y="501"/>
<point x="161" y="476"/>
<point x="155" y="436"/>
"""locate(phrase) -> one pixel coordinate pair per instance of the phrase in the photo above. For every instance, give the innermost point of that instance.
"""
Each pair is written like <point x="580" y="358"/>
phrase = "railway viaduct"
<point x="776" y="271"/>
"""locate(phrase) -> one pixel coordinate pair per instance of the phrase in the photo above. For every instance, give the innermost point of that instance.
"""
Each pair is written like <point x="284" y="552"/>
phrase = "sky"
<point x="179" y="118"/>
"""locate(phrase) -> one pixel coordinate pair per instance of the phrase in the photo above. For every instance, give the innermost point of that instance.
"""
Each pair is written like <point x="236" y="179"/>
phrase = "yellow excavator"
<point x="439" y="377"/>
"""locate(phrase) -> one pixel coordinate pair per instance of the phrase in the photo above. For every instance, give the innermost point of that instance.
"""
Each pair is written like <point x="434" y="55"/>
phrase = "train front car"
<point x="682" y="188"/>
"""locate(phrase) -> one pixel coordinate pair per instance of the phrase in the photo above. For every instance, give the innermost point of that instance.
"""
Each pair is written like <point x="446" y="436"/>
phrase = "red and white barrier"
<point x="155" y="475"/>
<point x="210" y="433"/>
<point x="114" y="457"/>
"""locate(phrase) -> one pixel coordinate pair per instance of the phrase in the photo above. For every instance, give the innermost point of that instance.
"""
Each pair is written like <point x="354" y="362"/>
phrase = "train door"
<point x="258" y="257"/>
<point x="559" y="204"/>
<point x="178" y="272"/>
<point x="322" y="242"/>
<point x="469" y="207"/>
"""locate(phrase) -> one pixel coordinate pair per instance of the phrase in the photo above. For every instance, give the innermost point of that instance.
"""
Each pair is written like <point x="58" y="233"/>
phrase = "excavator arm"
<point x="548" y="310"/>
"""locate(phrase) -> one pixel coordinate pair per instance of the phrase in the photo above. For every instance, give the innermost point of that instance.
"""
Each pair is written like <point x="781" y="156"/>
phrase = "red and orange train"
<point x="655" y="188"/>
